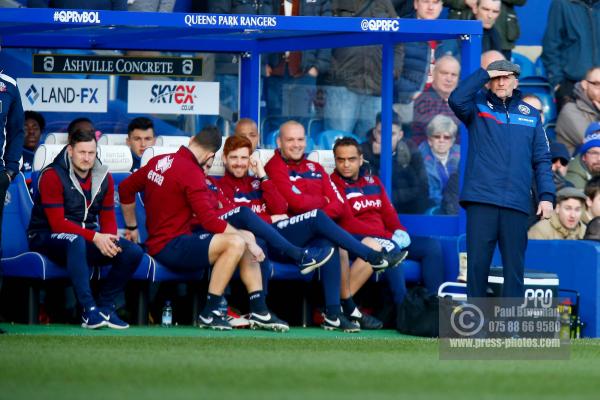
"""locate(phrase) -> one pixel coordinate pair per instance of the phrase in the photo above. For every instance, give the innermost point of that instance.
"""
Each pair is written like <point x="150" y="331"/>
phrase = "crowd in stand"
<point x="343" y="87"/>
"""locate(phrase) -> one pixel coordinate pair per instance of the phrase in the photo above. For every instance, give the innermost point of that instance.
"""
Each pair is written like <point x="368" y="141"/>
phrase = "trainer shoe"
<point x="92" y="319"/>
<point x="268" y="321"/>
<point x="214" y="320"/>
<point x="339" y="322"/>
<point x="112" y="319"/>
<point x="236" y="320"/>
<point x="393" y="258"/>
<point x="314" y="257"/>
<point x="365" y="321"/>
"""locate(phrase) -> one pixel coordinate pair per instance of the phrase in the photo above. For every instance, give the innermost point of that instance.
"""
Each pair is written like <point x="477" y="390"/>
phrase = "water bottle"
<point x="167" y="315"/>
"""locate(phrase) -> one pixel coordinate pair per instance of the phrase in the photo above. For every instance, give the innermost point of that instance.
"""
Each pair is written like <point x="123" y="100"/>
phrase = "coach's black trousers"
<point x="488" y="225"/>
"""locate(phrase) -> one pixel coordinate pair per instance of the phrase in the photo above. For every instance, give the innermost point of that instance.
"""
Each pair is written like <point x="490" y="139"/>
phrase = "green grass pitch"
<point x="67" y="362"/>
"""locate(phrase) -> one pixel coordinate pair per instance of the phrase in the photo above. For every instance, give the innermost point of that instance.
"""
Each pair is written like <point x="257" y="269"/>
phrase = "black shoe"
<point x="214" y="320"/>
<point x="365" y="321"/>
<point x="339" y="322"/>
<point x="314" y="257"/>
<point x="393" y="258"/>
<point x="268" y="321"/>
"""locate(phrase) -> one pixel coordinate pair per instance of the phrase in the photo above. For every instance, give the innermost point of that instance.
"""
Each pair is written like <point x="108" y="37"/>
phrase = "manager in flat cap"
<point x="507" y="147"/>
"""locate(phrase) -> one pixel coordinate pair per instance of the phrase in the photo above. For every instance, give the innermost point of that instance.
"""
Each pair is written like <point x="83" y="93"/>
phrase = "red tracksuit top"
<point x="305" y="186"/>
<point x="175" y="192"/>
<point x="369" y="204"/>
<point x="262" y="197"/>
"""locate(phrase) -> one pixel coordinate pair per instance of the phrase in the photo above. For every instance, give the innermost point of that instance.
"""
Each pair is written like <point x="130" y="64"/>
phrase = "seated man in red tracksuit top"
<point x="73" y="223"/>
<point x="260" y="194"/>
<point x="305" y="186"/>
<point x="368" y="202"/>
<point x="256" y="230"/>
<point x="175" y="193"/>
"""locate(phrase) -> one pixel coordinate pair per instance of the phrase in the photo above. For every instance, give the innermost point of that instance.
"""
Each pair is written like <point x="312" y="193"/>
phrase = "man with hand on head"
<point x="507" y="148"/>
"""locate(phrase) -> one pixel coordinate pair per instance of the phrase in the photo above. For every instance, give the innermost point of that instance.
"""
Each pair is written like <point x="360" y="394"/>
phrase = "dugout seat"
<point x="154" y="151"/>
<point x="325" y="158"/>
<point x="113" y="139"/>
<point x="172" y="141"/>
<point x="56" y="138"/>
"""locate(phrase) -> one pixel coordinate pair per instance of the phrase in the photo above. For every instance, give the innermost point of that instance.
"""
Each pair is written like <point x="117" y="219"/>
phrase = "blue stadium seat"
<point x="326" y="139"/>
<point x="551" y="131"/>
<point x="269" y="140"/>
<point x="540" y="86"/>
<point x="527" y="66"/>
<point x="314" y="127"/>
<point x="540" y="70"/>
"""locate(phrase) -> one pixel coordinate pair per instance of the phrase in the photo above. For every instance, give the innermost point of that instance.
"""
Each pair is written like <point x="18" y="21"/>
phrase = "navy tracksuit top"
<point x="507" y="146"/>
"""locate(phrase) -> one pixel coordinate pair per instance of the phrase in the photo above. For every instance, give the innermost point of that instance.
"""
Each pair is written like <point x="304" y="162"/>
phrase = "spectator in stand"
<point x="410" y="191"/>
<point x="151" y="5"/>
<point x="592" y="192"/>
<point x="292" y="76"/>
<point x="450" y="196"/>
<point x="487" y="11"/>
<point x="440" y="155"/>
<point x="587" y="163"/>
<point x="592" y="231"/>
<point x="404" y="8"/>
<point x="535" y="102"/>
<point x="73" y="223"/>
<point x="373" y="216"/>
<point x="353" y="94"/>
<point x="571" y="44"/>
<point x="576" y="115"/>
<point x="560" y="159"/>
<point x="227" y="64"/>
<point x="507" y="24"/>
<point x="419" y="59"/>
<point x="34" y="126"/>
<point x="488" y="57"/>
<point x="247" y="127"/>
<point x="115" y="5"/>
<point x="140" y="136"/>
<point x="434" y="99"/>
<point x="565" y="222"/>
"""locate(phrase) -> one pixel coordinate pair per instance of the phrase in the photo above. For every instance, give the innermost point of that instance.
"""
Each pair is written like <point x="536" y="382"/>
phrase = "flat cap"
<point x="569" y="193"/>
<point x="505" y="65"/>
